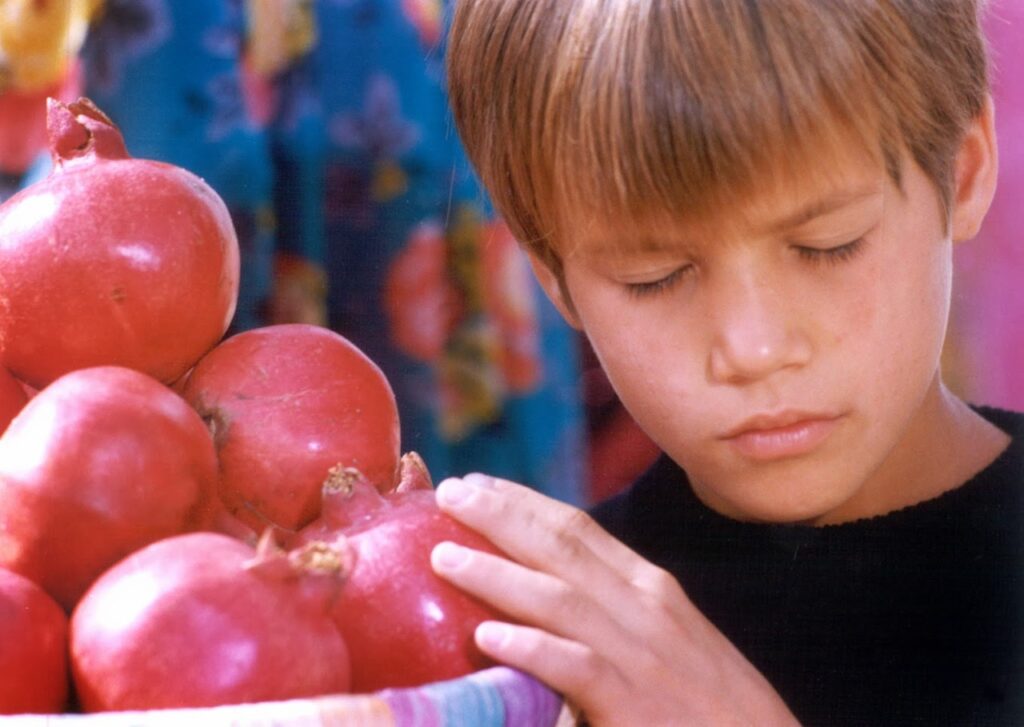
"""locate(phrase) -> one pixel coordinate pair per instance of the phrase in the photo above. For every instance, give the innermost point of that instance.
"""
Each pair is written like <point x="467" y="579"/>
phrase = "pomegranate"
<point x="112" y="260"/>
<point x="12" y="398"/>
<point x="404" y="625"/>
<point x="413" y="474"/>
<point x="98" y="464"/>
<point x="203" y="619"/>
<point x="286" y="404"/>
<point x="33" y="648"/>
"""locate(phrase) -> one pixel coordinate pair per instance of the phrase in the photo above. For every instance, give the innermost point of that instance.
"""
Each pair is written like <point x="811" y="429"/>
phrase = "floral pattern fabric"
<point x="373" y="185"/>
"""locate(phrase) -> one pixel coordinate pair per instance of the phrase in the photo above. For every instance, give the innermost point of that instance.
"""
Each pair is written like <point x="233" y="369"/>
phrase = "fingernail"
<point x="448" y="556"/>
<point x="454" y="491"/>
<point x="482" y="481"/>
<point x="492" y="636"/>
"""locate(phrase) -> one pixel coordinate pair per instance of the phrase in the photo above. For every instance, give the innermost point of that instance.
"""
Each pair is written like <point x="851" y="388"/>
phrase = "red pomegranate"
<point x="201" y="620"/>
<point x="33" y="648"/>
<point x="13" y="398"/>
<point x="287" y="404"/>
<point x="413" y="474"/>
<point x="112" y="260"/>
<point x="404" y="625"/>
<point x="101" y="462"/>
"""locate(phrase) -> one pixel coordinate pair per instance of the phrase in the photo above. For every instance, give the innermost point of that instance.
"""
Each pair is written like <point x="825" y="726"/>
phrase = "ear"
<point x="555" y="288"/>
<point x="975" y="170"/>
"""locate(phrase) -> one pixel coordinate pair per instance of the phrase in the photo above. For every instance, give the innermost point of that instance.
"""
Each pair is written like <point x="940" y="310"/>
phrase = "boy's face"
<point x="781" y="361"/>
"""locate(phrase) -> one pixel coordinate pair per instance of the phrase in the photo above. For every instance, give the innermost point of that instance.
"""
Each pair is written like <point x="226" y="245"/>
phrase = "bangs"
<point x="663" y="133"/>
<point x="645" y="113"/>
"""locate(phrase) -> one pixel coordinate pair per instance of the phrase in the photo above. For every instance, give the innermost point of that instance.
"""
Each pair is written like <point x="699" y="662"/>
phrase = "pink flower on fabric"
<point x="420" y="301"/>
<point x="426" y="16"/>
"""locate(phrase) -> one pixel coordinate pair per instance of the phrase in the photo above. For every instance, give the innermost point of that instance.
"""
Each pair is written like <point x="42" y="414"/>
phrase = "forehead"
<point x="789" y="196"/>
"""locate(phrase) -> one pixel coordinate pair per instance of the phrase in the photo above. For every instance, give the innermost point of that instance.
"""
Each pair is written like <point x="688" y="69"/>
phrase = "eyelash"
<point x="641" y="290"/>
<point x="830" y="256"/>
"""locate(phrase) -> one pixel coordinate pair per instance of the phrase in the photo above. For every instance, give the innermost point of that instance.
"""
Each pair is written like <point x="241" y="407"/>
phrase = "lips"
<point x="767" y="437"/>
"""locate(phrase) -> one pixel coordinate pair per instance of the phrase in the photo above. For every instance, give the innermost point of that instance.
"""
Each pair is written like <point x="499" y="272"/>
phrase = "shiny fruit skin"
<point x="33" y="648"/>
<point x="186" y="622"/>
<point x="287" y="404"/>
<point x="101" y="462"/>
<point x="403" y="624"/>
<point x="112" y="260"/>
<point x="13" y="398"/>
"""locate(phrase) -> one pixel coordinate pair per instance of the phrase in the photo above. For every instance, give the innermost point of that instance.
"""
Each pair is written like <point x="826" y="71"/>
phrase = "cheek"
<point x="647" y="359"/>
<point x="636" y="365"/>
<point x="892" y="332"/>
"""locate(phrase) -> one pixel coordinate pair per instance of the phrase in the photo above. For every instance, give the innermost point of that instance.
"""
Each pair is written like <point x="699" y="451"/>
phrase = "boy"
<point x="749" y="208"/>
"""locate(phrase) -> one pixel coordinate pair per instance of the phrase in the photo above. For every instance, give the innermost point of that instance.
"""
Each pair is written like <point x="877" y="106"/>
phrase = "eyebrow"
<point x="644" y="243"/>
<point x="823" y="206"/>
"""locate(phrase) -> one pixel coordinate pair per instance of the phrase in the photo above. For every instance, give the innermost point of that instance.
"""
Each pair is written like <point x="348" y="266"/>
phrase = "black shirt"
<point x="913" y="617"/>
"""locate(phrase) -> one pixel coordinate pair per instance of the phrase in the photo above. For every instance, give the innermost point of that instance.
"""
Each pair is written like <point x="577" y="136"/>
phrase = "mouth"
<point x="768" y="437"/>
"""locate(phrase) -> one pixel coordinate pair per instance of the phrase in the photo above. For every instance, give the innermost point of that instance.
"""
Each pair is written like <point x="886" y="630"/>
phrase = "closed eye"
<point x="653" y="287"/>
<point x="832" y="255"/>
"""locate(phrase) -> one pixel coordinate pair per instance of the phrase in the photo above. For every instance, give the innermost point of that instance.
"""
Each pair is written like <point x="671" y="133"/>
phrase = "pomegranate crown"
<point x="79" y="130"/>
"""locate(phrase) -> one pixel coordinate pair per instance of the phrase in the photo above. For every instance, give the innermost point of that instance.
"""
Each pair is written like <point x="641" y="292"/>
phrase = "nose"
<point x="758" y="330"/>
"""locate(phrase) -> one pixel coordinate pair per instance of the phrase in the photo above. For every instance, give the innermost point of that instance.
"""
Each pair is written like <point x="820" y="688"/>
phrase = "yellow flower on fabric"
<point x="279" y="31"/>
<point x="38" y="39"/>
<point x="389" y="181"/>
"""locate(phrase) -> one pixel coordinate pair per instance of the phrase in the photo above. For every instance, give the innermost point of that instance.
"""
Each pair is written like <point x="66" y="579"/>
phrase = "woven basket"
<point x="495" y="697"/>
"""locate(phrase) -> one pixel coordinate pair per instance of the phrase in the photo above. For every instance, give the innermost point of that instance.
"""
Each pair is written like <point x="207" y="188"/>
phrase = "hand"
<point x="613" y="633"/>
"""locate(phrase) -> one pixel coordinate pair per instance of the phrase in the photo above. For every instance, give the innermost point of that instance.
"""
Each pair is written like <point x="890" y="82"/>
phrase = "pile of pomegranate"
<point x="190" y="520"/>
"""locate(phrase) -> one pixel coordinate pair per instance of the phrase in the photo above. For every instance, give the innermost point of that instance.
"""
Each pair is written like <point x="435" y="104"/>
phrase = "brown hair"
<point x="639" y="110"/>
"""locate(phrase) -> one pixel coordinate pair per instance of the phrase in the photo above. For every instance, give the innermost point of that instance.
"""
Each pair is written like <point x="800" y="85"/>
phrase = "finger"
<point x="510" y="511"/>
<point x="532" y="596"/>
<point x="542" y="532"/>
<point x="524" y="528"/>
<point x="552" y="537"/>
<point x="572" y="668"/>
